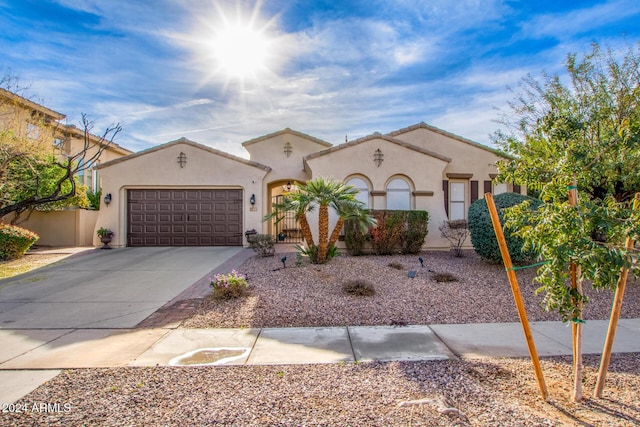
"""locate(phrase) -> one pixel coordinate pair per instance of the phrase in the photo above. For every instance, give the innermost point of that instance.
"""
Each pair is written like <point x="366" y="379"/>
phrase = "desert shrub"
<point x="396" y="265"/>
<point x="444" y="277"/>
<point x="456" y="232"/>
<point x="483" y="237"/>
<point x="15" y="241"/>
<point x="396" y="231"/>
<point x="359" y="287"/>
<point x="262" y="244"/>
<point x="227" y="286"/>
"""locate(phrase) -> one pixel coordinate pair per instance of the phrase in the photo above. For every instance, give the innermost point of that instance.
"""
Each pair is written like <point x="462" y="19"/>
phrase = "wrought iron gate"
<point x="286" y="226"/>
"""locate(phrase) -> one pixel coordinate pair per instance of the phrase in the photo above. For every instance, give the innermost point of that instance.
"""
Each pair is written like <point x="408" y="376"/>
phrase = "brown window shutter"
<point x="445" y="190"/>
<point x="487" y="187"/>
<point x="516" y="189"/>
<point x="474" y="191"/>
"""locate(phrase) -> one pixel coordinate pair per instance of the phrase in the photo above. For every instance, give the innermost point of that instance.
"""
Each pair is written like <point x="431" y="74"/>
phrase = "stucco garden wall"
<point x="71" y="227"/>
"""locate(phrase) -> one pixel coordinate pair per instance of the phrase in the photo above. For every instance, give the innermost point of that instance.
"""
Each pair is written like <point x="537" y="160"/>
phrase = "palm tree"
<point x="324" y="193"/>
<point x="300" y="203"/>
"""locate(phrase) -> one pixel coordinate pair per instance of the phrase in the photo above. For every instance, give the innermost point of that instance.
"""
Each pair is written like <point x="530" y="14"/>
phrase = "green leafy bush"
<point x="227" y="286"/>
<point x="15" y="241"/>
<point x="94" y="199"/>
<point x="483" y="238"/>
<point x="417" y="229"/>
<point x="262" y="244"/>
<point x="396" y="231"/>
<point x="354" y="239"/>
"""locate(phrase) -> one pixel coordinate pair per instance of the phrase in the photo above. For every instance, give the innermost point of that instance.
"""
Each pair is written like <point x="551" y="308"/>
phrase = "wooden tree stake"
<point x="576" y="325"/>
<point x="615" y="315"/>
<point x="513" y="281"/>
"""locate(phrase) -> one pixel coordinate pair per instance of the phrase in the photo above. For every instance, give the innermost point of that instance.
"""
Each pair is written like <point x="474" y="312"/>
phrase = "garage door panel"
<point x="184" y="217"/>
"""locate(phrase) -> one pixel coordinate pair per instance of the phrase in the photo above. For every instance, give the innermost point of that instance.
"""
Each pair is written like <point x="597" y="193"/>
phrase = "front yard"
<point x="312" y="295"/>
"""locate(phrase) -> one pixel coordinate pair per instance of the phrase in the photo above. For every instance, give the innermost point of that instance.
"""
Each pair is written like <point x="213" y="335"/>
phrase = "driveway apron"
<point x="115" y="288"/>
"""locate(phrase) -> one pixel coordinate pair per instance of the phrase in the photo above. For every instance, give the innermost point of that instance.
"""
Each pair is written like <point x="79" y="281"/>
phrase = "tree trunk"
<point x="306" y="230"/>
<point x="335" y="234"/>
<point x="323" y="233"/>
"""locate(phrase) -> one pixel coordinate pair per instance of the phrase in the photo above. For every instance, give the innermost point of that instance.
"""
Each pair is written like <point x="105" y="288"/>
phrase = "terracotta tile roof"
<point x="423" y="125"/>
<point x="377" y="136"/>
<point x="287" y="131"/>
<point x="188" y="142"/>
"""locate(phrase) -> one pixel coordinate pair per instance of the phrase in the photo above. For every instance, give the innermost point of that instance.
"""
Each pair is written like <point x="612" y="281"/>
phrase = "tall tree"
<point x="35" y="173"/>
<point x="587" y="128"/>
<point x="580" y="137"/>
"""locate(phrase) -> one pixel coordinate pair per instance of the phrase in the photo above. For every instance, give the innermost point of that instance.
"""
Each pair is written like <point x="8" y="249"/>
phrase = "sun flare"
<point x="240" y="51"/>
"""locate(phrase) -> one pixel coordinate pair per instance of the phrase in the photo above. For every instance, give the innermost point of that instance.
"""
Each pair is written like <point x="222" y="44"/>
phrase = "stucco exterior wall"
<point x="159" y="168"/>
<point x="271" y="152"/>
<point x="72" y="227"/>
<point x="465" y="157"/>
<point x="421" y="171"/>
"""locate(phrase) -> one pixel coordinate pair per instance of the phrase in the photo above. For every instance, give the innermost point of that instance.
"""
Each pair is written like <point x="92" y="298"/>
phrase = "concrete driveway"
<point x="115" y="288"/>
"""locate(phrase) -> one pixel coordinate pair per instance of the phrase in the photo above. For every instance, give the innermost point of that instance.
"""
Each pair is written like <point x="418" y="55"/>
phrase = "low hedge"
<point x="15" y="241"/>
<point x="396" y="231"/>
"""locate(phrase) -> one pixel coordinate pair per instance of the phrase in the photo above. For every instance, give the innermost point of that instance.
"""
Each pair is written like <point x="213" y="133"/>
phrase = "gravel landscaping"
<point x="489" y="392"/>
<point x="444" y="393"/>
<point x="312" y="295"/>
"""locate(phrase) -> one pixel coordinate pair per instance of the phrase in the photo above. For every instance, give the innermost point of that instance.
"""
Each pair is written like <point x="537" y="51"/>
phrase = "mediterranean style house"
<point x="33" y="122"/>
<point x="184" y="193"/>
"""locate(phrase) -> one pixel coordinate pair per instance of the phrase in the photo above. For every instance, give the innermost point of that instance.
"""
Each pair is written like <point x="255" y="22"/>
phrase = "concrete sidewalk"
<point x="31" y="356"/>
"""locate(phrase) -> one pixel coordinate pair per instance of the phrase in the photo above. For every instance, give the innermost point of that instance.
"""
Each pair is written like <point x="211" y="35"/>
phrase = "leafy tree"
<point x="325" y="194"/>
<point x="588" y="129"/>
<point x="34" y="172"/>
<point x="582" y="136"/>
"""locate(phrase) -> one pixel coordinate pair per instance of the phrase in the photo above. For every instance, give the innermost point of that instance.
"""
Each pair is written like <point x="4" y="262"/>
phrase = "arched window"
<point x="363" y="190"/>
<point x="398" y="195"/>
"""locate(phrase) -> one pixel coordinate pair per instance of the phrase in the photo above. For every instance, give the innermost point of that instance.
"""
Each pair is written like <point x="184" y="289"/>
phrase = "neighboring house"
<point x="184" y="193"/>
<point x="70" y="226"/>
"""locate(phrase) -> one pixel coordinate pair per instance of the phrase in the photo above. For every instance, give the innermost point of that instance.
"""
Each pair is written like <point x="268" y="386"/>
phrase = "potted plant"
<point x="105" y="236"/>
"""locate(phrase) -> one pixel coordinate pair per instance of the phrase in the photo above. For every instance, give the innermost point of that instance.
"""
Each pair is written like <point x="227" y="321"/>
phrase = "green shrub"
<point x="417" y="229"/>
<point x="355" y="239"/>
<point x="94" y="199"/>
<point x="262" y="244"/>
<point x="483" y="238"/>
<point x="15" y="241"/>
<point x="396" y="231"/>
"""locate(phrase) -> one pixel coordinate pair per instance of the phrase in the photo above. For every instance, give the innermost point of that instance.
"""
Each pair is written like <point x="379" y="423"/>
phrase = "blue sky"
<point x="327" y="68"/>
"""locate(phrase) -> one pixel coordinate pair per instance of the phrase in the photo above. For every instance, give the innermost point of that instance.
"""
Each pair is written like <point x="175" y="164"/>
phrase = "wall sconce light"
<point x="378" y="157"/>
<point x="182" y="159"/>
<point x="107" y="199"/>
<point x="252" y="199"/>
<point x="288" y="149"/>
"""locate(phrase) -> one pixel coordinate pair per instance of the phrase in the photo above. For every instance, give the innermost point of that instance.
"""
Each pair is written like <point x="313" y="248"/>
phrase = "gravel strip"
<point x="447" y="393"/>
<point x="311" y="295"/>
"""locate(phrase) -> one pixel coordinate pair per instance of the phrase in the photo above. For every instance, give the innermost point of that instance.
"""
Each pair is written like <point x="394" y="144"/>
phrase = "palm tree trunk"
<point x="335" y="234"/>
<point x="323" y="233"/>
<point x="306" y="230"/>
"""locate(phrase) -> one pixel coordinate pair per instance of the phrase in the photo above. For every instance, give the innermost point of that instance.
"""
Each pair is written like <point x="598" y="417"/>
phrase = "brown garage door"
<point x="184" y="217"/>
